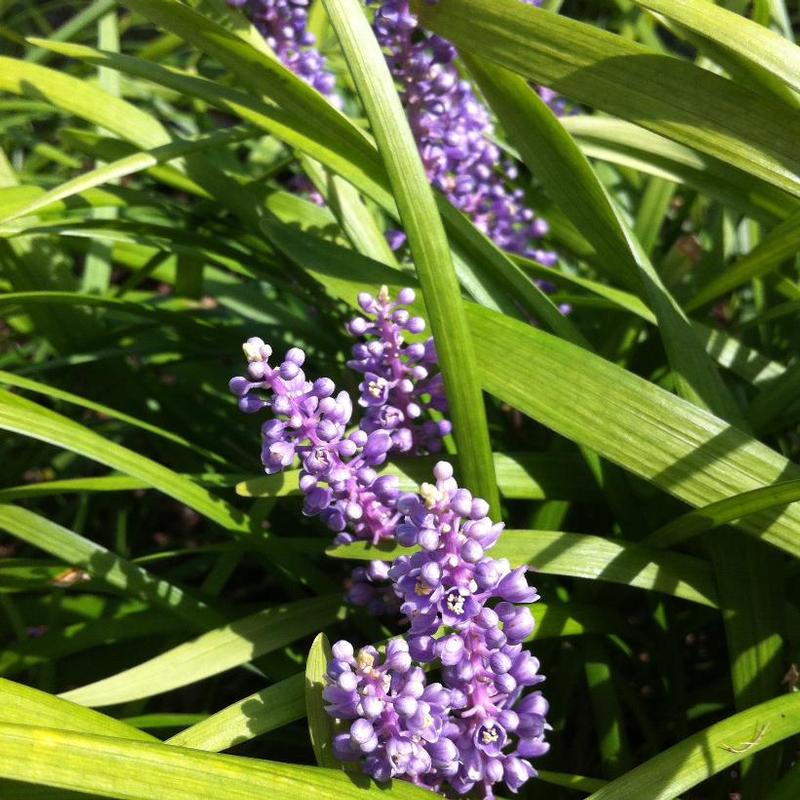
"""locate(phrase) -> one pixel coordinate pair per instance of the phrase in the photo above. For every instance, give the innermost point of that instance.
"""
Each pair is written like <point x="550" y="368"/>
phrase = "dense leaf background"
<point x="643" y="450"/>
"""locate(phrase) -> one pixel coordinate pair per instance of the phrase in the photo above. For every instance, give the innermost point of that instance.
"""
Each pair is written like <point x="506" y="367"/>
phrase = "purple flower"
<point x="467" y="612"/>
<point x="490" y="737"/>
<point x="310" y="423"/>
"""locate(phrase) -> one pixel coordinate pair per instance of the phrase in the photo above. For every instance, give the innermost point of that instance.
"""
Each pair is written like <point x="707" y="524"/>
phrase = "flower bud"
<point x="518" y="627"/>
<point x="361" y="731"/>
<point x="405" y="705"/>
<point x="342" y="650"/>
<point x="450" y="649"/>
<point x="516" y="772"/>
<point x="372" y="706"/>
<point x="514" y="587"/>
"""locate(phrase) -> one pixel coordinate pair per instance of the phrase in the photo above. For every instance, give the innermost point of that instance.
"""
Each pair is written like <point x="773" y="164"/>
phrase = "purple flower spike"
<point x="467" y="613"/>
<point x="453" y="131"/>
<point x="310" y="423"/>
<point x="310" y="419"/>
<point x="480" y="603"/>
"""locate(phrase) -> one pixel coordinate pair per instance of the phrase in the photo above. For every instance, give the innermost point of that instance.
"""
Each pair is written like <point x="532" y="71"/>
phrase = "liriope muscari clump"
<point x="466" y="612"/>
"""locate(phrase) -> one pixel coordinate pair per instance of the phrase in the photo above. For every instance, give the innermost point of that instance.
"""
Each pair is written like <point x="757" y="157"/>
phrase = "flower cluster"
<point x="452" y="128"/>
<point x="310" y="420"/>
<point x="480" y="603"/>
<point x="284" y="26"/>
<point x="338" y="474"/>
<point x="397" y="720"/>
<point x="453" y="132"/>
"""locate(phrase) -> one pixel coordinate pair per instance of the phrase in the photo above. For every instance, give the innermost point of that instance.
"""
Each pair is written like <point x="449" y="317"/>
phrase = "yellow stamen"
<point x="455" y="602"/>
<point x="490" y="735"/>
<point x="365" y="660"/>
<point x="430" y="495"/>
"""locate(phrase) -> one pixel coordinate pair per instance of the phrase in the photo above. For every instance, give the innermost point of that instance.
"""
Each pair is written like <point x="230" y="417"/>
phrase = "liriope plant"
<point x="593" y="209"/>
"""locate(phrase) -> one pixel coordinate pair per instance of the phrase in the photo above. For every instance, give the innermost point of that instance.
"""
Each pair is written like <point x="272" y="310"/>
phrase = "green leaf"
<point x="160" y="721"/>
<point x="723" y="512"/>
<point x="25" y="574"/>
<point x="767" y="407"/>
<point x="779" y="245"/>
<point x="754" y="42"/>
<point x="10" y="379"/>
<point x="213" y="652"/>
<point x="82" y="636"/>
<point x="27" y="706"/>
<point x="581" y="556"/>
<point x="14" y="197"/>
<point x="656" y="201"/>
<point x="604" y="695"/>
<point x="673" y="772"/>
<point x="80" y="98"/>
<point x="740" y="359"/>
<point x="431" y="253"/>
<point x="113" y="767"/>
<point x="320" y="722"/>
<point x="621" y="142"/>
<point x="104" y="565"/>
<point x="355" y="219"/>
<point x="49" y="298"/>
<point x="556" y="620"/>
<point x="106" y="483"/>
<point x="113" y="114"/>
<point x="73" y="26"/>
<point x="675" y="445"/>
<point x="577" y="782"/>
<point x="128" y="165"/>
<point x="258" y="713"/>
<point x="29" y="419"/>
